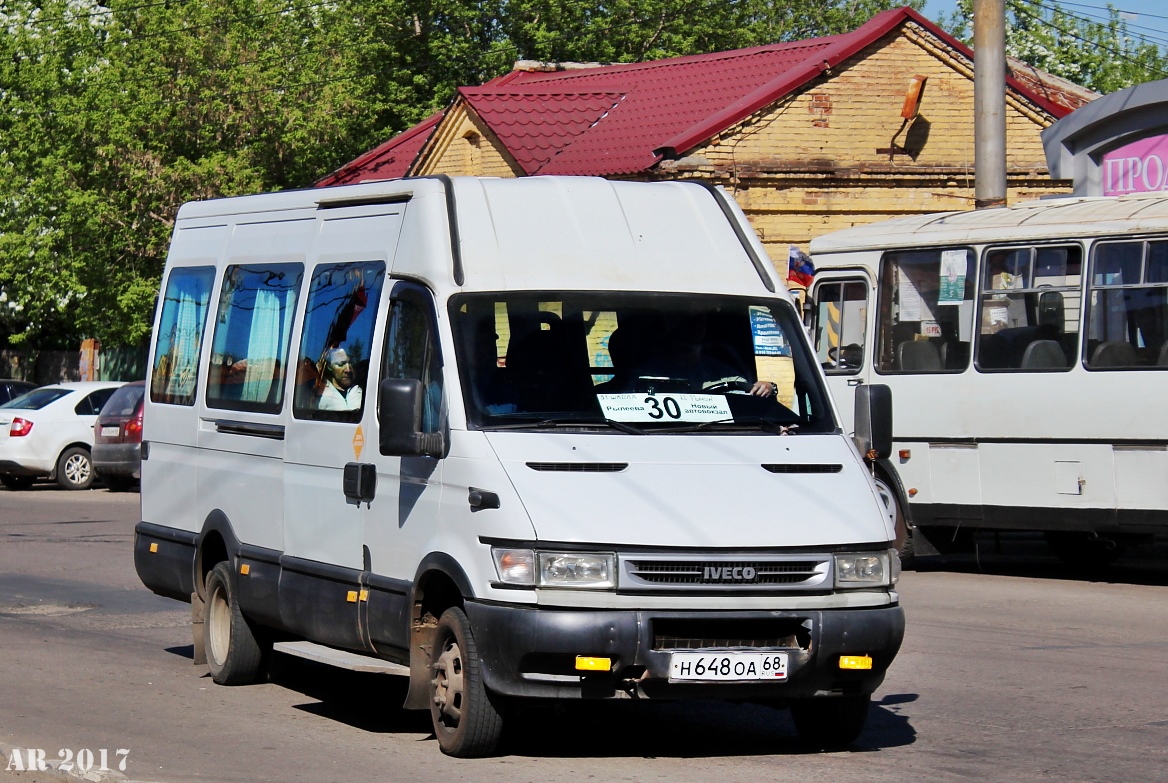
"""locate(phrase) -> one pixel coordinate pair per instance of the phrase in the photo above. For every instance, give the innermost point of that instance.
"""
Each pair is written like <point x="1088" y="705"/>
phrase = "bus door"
<point x="839" y="330"/>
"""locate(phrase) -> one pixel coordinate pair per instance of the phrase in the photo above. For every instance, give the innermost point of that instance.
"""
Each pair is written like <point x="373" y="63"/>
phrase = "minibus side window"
<point x="333" y="366"/>
<point x="253" y="328"/>
<point x="1127" y="315"/>
<point x="924" y="318"/>
<point x="1029" y="315"/>
<point x="180" y="335"/>
<point x="411" y="350"/>
<point x="841" y="322"/>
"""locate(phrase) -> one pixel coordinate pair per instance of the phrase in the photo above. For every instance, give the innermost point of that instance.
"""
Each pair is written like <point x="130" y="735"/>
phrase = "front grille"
<point x="579" y="467"/>
<point x="729" y="573"/>
<point x="675" y="634"/>
<point x="803" y="468"/>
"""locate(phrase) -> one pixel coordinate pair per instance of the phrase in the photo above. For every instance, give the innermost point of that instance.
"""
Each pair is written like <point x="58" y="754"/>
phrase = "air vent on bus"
<point x="579" y="467"/>
<point x="808" y="468"/>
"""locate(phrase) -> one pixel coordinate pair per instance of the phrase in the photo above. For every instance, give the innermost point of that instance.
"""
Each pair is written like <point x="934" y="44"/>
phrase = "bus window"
<point x="1128" y="306"/>
<point x="925" y="311"/>
<point x="841" y="322"/>
<point x="249" y="352"/>
<point x="1029" y="315"/>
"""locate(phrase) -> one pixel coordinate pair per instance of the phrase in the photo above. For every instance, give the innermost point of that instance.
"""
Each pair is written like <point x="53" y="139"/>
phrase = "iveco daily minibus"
<point x="554" y="438"/>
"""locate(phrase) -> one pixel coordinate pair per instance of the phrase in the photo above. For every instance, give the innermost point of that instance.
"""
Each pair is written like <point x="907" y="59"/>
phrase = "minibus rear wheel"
<point x="830" y="723"/>
<point x="467" y="721"/>
<point x="234" y="655"/>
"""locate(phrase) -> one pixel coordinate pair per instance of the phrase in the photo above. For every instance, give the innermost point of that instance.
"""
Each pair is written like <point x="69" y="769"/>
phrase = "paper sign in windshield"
<point x="664" y="407"/>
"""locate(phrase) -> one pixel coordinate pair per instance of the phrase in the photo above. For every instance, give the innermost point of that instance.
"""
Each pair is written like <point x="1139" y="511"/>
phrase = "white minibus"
<point x="554" y="438"/>
<point x="1027" y="350"/>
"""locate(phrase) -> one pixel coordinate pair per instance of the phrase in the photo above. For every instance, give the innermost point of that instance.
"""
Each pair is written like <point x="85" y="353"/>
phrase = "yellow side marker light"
<point x="585" y="663"/>
<point x="245" y="569"/>
<point x="153" y="548"/>
<point x="364" y="595"/>
<point x="855" y="661"/>
<point x="351" y="597"/>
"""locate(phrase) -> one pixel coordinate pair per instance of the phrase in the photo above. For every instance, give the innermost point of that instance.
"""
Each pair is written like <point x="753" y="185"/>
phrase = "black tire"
<point x="75" y="468"/>
<point x="234" y="654"/>
<point x="830" y="723"/>
<point x="467" y="720"/>
<point x="17" y="483"/>
<point x="904" y="540"/>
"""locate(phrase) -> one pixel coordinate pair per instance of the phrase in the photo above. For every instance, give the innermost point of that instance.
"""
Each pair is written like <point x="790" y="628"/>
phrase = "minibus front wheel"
<point x="234" y="655"/>
<point x="467" y="722"/>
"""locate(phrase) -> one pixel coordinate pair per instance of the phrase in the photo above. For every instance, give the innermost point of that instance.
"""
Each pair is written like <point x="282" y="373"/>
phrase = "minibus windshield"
<point x="636" y="362"/>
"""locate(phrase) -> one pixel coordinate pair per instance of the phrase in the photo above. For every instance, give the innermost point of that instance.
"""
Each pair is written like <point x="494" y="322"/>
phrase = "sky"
<point x="1145" y="18"/>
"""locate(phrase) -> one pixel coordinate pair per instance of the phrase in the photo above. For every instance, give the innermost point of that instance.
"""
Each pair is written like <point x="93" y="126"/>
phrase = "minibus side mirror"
<point x="399" y="417"/>
<point x="874" y="421"/>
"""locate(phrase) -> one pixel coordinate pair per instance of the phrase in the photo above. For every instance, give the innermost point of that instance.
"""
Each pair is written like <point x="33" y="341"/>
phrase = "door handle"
<point x="855" y="381"/>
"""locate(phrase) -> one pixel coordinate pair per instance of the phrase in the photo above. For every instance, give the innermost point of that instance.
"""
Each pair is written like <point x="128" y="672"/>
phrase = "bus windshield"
<point x="638" y="362"/>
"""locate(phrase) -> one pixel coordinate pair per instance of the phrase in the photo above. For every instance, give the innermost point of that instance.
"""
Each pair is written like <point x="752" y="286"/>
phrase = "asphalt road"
<point x="1012" y="670"/>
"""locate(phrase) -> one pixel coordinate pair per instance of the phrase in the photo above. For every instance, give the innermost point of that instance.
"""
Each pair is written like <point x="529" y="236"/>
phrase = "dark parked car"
<point x="117" y="438"/>
<point x="10" y="389"/>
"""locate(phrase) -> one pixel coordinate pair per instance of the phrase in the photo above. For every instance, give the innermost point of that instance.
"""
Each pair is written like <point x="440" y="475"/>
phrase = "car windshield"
<point x="36" y="399"/>
<point x="636" y="363"/>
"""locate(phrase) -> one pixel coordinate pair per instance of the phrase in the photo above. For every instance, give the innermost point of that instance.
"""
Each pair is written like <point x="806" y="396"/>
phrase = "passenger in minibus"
<point x="341" y="391"/>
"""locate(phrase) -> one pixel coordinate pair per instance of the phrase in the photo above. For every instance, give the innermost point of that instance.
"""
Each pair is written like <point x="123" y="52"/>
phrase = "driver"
<point x="687" y="357"/>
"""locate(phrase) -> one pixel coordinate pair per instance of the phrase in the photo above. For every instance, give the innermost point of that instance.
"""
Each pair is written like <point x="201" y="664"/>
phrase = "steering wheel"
<point x="724" y="387"/>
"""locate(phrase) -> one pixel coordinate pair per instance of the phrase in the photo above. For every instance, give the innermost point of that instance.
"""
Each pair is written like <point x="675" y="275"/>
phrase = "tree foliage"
<point x="115" y="112"/>
<point x="1101" y="56"/>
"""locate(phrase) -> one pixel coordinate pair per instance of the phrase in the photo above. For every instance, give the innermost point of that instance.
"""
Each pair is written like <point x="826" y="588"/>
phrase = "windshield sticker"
<point x="952" y="277"/>
<point x="664" y="407"/>
<point x="769" y="339"/>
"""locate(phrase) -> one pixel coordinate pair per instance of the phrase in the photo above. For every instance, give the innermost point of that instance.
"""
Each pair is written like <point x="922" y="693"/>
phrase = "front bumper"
<point x="532" y="652"/>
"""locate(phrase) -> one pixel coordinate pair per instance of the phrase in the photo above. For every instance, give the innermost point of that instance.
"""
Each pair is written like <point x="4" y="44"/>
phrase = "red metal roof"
<point x="387" y="161"/>
<point x="625" y="118"/>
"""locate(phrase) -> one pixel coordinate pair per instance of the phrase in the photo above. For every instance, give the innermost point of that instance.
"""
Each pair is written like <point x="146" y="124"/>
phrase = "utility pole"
<point x="989" y="100"/>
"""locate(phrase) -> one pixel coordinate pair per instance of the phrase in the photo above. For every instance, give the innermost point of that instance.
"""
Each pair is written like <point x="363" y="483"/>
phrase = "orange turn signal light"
<point x="855" y="661"/>
<point x="586" y="663"/>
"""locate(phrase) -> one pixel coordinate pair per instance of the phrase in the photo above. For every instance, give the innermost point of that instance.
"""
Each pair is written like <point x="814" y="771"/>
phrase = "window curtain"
<point x="263" y="347"/>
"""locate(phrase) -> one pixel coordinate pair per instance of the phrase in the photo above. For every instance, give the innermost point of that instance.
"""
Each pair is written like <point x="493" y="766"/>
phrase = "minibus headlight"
<point x="576" y="569"/>
<point x="515" y="566"/>
<point x="870" y="569"/>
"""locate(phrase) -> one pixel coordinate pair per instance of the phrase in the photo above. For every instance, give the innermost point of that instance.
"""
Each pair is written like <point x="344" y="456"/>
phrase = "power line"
<point x="1072" y="34"/>
<point x="1117" y="10"/>
<point x="1106" y="21"/>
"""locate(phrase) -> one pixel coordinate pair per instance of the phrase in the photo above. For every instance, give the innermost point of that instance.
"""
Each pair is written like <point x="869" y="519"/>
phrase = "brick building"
<point x="810" y="136"/>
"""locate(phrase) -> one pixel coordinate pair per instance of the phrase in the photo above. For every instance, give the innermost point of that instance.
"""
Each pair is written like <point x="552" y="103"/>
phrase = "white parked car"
<point x="49" y="432"/>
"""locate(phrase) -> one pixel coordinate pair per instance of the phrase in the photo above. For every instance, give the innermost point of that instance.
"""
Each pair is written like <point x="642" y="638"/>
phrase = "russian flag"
<point x="800" y="270"/>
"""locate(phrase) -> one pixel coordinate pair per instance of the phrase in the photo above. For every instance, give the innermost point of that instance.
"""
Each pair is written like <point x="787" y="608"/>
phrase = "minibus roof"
<point x="546" y="233"/>
<point x="1060" y="218"/>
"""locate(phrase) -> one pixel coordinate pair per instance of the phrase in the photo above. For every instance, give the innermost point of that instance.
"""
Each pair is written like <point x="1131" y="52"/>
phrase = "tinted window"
<point x="253" y="329"/>
<point x="924" y="319"/>
<point x="124" y="401"/>
<point x="180" y="335"/>
<point x="411" y="349"/>
<point x="37" y="398"/>
<point x="1127" y="316"/>
<point x="333" y="367"/>
<point x="1030" y="302"/>
<point x="93" y="402"/>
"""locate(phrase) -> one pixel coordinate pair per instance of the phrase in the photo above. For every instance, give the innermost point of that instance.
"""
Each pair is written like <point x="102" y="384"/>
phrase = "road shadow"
<point x="1026" y="554"/>
<point x="371" y="702"/>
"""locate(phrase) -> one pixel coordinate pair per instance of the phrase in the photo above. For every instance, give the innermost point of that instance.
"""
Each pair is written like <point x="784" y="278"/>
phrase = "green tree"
<point x="1101" y="56"/>
<point x="115" y="112"/>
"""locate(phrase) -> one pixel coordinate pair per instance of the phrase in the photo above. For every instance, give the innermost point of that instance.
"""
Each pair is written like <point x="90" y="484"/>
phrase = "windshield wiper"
<point x="768" y="425"/>
<point x="545" y="424"/>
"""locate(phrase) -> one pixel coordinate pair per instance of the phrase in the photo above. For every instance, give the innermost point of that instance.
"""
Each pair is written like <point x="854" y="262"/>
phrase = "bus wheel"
<point x="466" y="721"/>
<point x="1084" y="549"/>
<point x="830" y="723"/>
<point x="903" y="541"/>
<point x="234" y="655"/>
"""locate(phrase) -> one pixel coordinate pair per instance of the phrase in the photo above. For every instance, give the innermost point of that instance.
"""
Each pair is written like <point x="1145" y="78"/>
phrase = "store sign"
<point x="1139" y="167"/>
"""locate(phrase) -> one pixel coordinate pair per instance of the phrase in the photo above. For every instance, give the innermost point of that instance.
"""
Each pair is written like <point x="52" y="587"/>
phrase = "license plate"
<point x="728" y="666"/>
<point x="110" y="432"/>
